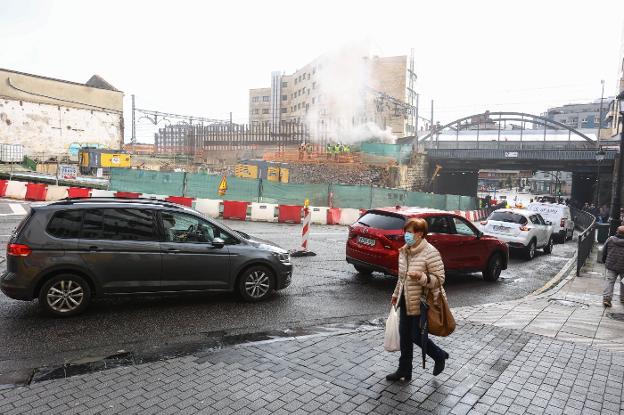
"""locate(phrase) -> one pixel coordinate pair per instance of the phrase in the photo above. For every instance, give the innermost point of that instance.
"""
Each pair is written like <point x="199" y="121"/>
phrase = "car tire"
<point x="529" y="251"/>
<point x="549" y="246"/>
<point x="494" y="268"/>
<point x="256" y="283"/>
<point x="363" y="270"/>
<point x="65" y="295"/>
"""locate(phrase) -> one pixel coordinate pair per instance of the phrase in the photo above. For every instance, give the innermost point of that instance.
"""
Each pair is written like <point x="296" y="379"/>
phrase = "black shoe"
<point x="393" y="377"/>
<point x="439" y="365"/>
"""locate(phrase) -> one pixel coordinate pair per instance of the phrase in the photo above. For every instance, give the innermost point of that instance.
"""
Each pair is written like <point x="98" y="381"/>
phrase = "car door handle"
<point x="94" y="248"/>
<point x="173" y="250"/>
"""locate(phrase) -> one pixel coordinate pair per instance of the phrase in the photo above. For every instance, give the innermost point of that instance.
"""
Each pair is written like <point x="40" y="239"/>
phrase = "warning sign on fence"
<point x="223" y="186"/>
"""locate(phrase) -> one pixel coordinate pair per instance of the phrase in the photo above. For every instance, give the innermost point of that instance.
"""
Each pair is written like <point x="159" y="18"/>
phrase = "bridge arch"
<point x="500" y="116"/>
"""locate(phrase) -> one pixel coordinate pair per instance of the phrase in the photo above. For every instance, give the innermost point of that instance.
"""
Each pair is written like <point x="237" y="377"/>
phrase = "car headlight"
<point x="283" y="258"/>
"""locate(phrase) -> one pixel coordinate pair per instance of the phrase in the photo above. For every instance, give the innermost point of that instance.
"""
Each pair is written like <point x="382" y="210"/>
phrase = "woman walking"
<point x="420" y="268"/>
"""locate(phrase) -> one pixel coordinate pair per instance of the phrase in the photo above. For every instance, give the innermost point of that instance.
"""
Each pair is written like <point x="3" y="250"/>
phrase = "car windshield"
<point x="509" y="217"/>
<point x="379" y="220"/>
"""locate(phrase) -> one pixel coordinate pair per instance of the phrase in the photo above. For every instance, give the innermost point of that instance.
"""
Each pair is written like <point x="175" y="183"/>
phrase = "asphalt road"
<point x="325" y="289"/>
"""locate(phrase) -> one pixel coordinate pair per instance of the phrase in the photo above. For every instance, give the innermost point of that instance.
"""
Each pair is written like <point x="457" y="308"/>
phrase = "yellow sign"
<point x="306" y="204"/>
<point x="223" y="186"/>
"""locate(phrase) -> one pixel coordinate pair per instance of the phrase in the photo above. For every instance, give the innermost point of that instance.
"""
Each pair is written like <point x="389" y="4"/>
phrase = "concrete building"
<point x="53" y="118"/>
<point x="581" y="116"/>
<point x="333" y="94"/>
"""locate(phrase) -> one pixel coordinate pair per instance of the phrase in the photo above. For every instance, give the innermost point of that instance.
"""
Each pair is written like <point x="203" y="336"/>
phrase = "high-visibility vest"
<point x="347" y="148"/>
<point x="309" y="148"/>
<point x="330" y="148"/>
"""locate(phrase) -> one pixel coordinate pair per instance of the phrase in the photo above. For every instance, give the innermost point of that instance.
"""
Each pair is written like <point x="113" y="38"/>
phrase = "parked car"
<point x="520" y="229"/>
<point x="375" y="238"/>
<point x="560" y="217"/>
<point x="67" y="252"/>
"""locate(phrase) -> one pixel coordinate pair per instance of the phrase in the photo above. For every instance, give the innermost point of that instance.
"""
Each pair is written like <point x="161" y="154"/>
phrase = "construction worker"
<point x="347" y="149"/>
<point x="302" y="148"/>
<point x="309" y="149"/>
<point x="336" y="151"/>
<point x="329" y="149"/>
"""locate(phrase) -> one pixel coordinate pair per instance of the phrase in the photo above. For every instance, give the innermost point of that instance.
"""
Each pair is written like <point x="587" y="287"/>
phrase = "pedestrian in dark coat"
<point x="613" y="258"/>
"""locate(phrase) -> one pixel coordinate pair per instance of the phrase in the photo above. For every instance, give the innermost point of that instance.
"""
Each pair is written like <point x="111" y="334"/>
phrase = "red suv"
<point x="375" y="238"/>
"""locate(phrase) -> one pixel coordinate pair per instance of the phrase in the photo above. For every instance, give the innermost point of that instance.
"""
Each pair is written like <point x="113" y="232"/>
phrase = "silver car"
<point x="520" y="229"/>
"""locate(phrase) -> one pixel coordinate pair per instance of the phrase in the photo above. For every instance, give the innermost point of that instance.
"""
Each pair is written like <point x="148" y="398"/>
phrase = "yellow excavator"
<point x="433" y="177"/>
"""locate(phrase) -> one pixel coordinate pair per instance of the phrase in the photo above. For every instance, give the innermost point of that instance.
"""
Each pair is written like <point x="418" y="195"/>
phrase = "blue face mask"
<point x="409" y="238"/>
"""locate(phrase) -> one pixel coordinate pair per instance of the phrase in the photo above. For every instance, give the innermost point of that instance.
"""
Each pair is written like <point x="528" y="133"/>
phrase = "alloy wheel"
<point x="257" y="284"/>
<point x="65" y="296"/>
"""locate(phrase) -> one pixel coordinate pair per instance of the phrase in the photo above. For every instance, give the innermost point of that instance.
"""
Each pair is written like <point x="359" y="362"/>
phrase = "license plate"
<point x="366" y="241"/>
<point x="497" y="228"/>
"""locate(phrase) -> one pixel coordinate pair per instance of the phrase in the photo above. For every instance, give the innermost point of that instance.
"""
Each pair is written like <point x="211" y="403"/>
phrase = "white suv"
<point x="520" y="228"/>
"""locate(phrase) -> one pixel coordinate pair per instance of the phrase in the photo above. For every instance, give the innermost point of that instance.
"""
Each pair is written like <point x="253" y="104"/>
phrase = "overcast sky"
<point x="200" y="58"/>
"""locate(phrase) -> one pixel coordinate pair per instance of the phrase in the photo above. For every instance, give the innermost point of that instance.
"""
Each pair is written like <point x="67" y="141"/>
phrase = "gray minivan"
<point x="67" y="252"/>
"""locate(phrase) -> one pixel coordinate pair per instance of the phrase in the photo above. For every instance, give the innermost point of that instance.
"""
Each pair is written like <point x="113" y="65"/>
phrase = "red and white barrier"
<point x="319" y="215"/>
<point x="306" y="228"/>
<point x="263" y="212"/>
<point x="208" y="207"/>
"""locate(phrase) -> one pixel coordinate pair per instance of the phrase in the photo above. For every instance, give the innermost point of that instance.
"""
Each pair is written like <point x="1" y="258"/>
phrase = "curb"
<point x="564" y="274"/>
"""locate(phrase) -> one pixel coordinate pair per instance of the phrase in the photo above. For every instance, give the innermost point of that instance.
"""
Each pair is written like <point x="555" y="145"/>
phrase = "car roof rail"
<point x="105" y="199"/>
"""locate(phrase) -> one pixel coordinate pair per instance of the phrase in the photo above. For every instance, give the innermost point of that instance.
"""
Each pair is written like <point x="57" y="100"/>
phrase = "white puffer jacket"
<point x="424" y="258"/>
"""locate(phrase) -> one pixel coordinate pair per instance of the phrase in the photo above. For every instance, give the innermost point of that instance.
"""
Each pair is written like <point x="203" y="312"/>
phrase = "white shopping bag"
<point x="392" y="341"/>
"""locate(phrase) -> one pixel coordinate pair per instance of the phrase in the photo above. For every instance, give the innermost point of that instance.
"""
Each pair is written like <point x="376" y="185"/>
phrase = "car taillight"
<point x="18" y="250"/>
<point x="524" y="228"/>
<point x="562" y="223"/>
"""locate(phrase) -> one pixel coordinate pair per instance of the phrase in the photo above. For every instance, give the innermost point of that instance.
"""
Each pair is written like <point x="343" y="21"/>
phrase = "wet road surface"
<point x="325" y="289"/>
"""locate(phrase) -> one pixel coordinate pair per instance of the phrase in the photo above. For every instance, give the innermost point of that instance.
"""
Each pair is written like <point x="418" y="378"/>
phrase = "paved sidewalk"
<point x="537" y="355"/>
<point x="571" y="311"/>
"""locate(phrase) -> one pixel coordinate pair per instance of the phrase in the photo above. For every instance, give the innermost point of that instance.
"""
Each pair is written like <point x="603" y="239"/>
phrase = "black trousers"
<point x="409" y="330"/>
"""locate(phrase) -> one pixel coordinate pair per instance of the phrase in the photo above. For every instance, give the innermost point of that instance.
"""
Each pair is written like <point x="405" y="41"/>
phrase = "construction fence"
<point x="205" y="186"/>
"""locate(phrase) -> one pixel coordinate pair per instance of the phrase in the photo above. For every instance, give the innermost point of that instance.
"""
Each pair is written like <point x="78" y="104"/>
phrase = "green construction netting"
<point x="430" y="200"/>
<point x="206" y="186"/>
<point x="400" y="153"/>
<point x="345" y="196"/>
<point x="383" y="197"/>
<point x="146" y="181"/>
<point x="294" y="194"/>
<point x="467" y="203"/>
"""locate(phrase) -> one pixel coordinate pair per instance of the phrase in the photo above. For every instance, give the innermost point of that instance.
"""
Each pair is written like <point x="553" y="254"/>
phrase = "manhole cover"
<point x="616" y="316"/>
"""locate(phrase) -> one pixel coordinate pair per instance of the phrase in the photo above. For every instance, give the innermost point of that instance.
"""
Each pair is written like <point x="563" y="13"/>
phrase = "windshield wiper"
<point x="364" y="224"/>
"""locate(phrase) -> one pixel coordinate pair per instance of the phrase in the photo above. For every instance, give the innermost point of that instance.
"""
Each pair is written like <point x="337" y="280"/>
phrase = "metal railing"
<point x="585" y="222"/>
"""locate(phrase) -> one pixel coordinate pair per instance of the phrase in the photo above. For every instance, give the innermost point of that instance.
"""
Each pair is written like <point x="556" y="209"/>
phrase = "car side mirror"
<point x="218" y="243"/>
<point x="548" y="222"/>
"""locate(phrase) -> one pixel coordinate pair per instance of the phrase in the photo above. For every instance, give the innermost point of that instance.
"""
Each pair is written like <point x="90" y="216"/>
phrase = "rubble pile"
<point x="338" y="174"/>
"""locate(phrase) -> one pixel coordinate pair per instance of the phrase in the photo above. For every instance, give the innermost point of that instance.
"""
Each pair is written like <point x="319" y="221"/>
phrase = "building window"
<point x="313" y="99"/>
<point x="265" y="110"/>
<point x="265" y="98"/>
<point x="284" y="84"/>
<point x="283" y="110"/>
<point x="284" y="97"/>
<point x="313" y="85"/>
<point x="255" y="99"/>
<point x="256" y="111"/>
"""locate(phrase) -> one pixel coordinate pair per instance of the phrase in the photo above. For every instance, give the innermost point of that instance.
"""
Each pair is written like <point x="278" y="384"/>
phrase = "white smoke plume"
<point x="343" y="83"/>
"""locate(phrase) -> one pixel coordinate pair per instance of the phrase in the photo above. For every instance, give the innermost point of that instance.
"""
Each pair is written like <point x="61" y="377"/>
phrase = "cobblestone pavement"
<point x="558" y="352"/>
<point x="491" y="370"/>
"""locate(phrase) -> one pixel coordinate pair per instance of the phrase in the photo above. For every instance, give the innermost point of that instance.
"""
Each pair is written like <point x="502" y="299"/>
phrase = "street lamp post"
<point x="616" y="190"/>
<point x="600" y="155"/>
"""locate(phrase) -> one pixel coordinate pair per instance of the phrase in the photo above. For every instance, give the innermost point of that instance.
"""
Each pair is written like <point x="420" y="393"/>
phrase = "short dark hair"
<point x="416" y="225"/>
